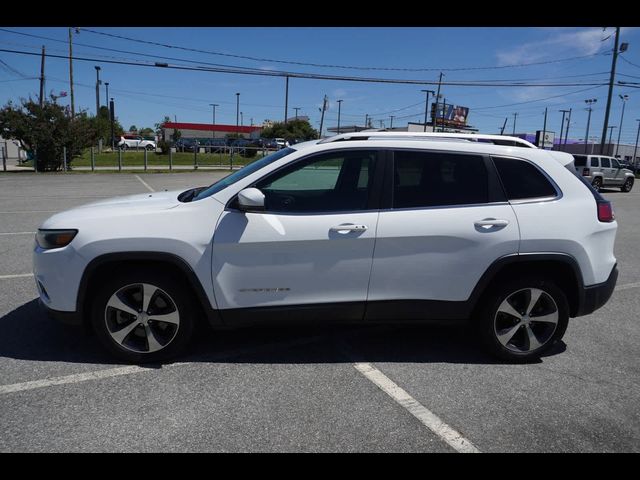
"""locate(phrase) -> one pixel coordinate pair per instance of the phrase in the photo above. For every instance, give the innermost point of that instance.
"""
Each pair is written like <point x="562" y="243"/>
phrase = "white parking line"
<point x="429" y="419"/>
<point x="17" y="233"/>
<point x="118" y="371"/>
<point x="20" y="275"/>
<point x="145" y="183"/>
<point x="627" y="286"/>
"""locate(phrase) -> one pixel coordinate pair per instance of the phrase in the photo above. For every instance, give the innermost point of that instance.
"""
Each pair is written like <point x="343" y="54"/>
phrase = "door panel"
<point x="439" y="253"/>
<point x="262" y="259"/>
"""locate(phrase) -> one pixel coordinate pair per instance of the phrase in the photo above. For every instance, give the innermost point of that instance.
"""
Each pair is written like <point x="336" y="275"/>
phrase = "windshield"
<point x="242" y="173"/>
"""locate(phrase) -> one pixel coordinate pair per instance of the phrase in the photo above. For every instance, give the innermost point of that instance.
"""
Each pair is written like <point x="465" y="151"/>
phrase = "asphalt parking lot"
<point x="348" y="389"/>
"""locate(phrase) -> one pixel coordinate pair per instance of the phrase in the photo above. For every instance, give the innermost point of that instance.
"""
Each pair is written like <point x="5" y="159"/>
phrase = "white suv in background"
<point x="367" y="227"/>
<point x="137" y="142"/>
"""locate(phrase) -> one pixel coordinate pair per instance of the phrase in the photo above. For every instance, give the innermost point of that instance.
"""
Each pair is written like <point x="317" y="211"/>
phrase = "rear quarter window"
<point x="580" y="160"/>
<point x="522" y="180"/>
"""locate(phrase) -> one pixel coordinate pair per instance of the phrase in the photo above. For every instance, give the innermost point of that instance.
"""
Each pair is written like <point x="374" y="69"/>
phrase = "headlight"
<point x="47" y="239"/>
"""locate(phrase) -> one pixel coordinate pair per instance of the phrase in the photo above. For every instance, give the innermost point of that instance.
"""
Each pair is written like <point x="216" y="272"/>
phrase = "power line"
<point x="321" y="65"/>
<point x="275" y="73"/>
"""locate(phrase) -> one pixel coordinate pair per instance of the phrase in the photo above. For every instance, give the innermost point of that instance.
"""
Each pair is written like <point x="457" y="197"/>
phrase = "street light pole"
<point x="515" y="116"/>
<point x="237" y="110"/>
<point x="562" y="126"/>
<point x="586" y="138"/>
<point x="339" y="107"/>
<point x="437" y="100"/>
<point x="106" y="84"/>
<point x="213" y="122"/>
<point x="624" y="99"/>
<point x="296" y="109"/>
<point x="391" y="126"/>
<point x="97" y="89"/>
<point x="426" y="107"/>
<point x="566" y="134"/>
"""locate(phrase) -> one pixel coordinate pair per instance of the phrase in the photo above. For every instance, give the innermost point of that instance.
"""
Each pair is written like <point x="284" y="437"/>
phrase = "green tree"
<point x="103" y="126"/>
<point x="133" y="128"/>
<point x="293" y="129"/>
<point x="146" y="132"/>
<point x="45" y="131"/>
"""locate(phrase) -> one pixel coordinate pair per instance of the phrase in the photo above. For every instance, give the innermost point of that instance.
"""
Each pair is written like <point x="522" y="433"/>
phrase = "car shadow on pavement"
<point x="28" y="334"/>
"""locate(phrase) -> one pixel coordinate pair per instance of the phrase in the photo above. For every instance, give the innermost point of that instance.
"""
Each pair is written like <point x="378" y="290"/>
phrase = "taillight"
<point x="586" y="172"/>
<point x="605" y="211"/>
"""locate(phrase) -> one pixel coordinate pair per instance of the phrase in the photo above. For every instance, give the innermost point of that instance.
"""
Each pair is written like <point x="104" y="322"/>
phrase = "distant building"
<point x="208" y="130"/>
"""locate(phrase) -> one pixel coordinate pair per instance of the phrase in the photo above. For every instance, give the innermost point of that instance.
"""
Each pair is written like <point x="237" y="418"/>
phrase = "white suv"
<point x="365" y="227"/>
<point x="136" y="141"/>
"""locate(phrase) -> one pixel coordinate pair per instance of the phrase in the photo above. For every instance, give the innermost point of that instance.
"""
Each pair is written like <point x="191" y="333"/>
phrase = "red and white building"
<point x="208" y="130"/>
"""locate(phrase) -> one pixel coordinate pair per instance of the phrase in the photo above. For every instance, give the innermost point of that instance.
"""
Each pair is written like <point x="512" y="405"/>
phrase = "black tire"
<point x="150" y="148"/>
<point x="124" y="146"/>
<point x="174" y="339"/>
<point x="627" y="185"/>
<point x="597" y="183"/>
<point x="489" y="320"/>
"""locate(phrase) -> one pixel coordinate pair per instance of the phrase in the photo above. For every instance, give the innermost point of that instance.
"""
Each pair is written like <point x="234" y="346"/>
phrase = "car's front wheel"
<point x="627" y="185"/>
<point x="522" y="319"/>
<point x="143" y="316"/>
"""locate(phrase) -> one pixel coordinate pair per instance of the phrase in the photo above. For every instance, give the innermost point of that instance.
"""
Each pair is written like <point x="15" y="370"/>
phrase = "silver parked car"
<point x="602" y="171"/>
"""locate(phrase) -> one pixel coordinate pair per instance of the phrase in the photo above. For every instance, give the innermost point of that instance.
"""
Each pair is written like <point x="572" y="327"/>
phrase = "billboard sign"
<point x="549" y="137"/>
<point x="450" y="115"/>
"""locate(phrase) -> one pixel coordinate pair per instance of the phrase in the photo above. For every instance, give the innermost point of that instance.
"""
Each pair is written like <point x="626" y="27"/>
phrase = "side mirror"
<point x="251" y="200"/>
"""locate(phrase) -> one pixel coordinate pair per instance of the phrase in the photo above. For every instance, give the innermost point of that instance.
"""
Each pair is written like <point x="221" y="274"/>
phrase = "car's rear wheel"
<point x="150" y="147"/>
<point x="124" y="146"/>
<point x="522" y="319"/>
<point x="597" y="183"/>
<point x="143" y="316"/>
<point x="627" y="185"/>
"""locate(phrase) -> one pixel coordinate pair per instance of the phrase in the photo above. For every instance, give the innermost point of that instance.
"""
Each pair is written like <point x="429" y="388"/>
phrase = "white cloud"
<point x="562" y="42"/>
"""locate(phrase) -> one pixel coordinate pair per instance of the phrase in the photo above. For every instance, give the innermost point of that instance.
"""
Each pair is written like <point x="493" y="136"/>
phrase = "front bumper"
<point x="595" y="296"/>
<point x="66" y="318"/>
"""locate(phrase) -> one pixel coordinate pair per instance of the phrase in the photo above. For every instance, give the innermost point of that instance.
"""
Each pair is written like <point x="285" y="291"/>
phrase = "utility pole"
<point x="515" y="115"/>
<point x="504" y="125"/>
<point x="426" y="107"/>
<point x="73" y="107"/>
<point x="339" y="107"/>
<point x="586" y="138"/>
<point x="391" y="126"/>
<point x="324" y="107"/>
<point x="624" y="99"/>
<point x="544" y="128"/>
<point x="106" y="85"/>
<point x="42" y="79"/>
<point x="286" y="99"/>
<point x="299" y="108"/>
<point x="366" y="119"/>
<point x="97" y="89"/>
<point x="611" y="80"/>
<point x="610" y="135"/>
<point x="635" y="162"/>
<point x="566" y="134"/>
<point x="562" y="127"/>
<point x="381" y="123"/>
<point x="435" y="123"/>
<point x="241" y="119"/>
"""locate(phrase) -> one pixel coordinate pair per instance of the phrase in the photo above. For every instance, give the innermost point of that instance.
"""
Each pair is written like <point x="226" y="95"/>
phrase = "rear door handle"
<point x="349" y="227"/>
<point x="491" y="222"/>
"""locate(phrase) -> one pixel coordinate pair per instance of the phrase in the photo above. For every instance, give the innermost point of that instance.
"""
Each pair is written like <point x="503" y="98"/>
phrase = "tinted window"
<point x="523" y="180"/>
<point x="580" y="160"/>
<point x="605" y="162"/>
<point x="338" y="181"/>
<point x="424" y="179"/>
<point x="594" y="162"/>
<point x="614" y="163"/>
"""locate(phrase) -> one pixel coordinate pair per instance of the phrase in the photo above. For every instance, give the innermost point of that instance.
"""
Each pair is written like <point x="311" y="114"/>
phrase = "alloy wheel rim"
<point x="526" y="320"/>
<point x="142" y="318"/>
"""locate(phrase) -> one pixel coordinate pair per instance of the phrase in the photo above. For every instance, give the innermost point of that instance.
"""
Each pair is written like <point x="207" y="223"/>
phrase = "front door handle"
<point x="491" y="222"/>
<point x="349" y="227"/>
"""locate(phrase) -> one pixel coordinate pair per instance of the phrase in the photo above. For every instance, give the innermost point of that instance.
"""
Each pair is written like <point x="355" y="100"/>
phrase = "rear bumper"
<point x="595" y="296"/>
<point x="66" y="318"/>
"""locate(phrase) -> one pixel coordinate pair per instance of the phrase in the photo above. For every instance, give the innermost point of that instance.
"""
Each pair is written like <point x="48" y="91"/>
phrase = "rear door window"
<point x="605" y="162"/>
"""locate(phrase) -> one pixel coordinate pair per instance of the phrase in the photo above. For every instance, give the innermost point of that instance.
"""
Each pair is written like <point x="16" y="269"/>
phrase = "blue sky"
<point x="143" y="96"/>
